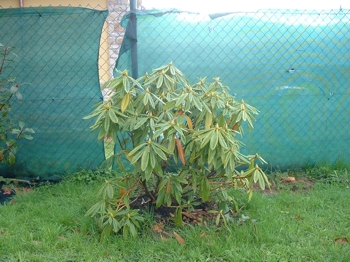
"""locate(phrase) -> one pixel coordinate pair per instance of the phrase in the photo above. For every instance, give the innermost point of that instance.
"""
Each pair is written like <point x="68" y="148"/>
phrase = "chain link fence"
<point x="294" y="66"/>
<point x="62" y="57"/>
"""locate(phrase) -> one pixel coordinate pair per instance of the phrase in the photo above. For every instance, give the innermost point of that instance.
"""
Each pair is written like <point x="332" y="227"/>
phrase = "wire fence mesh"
<point x="294" y="66"/>
<point x="61" y="58"/>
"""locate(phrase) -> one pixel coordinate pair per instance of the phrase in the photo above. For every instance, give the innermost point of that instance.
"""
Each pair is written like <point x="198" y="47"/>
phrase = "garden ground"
<point x="306" y="219"/>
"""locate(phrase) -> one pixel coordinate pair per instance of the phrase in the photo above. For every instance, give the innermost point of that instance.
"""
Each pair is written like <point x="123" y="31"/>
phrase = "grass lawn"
<point x="291" y="223"/>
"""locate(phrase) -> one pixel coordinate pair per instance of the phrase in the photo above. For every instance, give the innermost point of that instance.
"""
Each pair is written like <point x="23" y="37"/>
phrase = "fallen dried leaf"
<point x="179" y="238"/>
<point x="298" y="217"/>
<point x="203" y="235"/>
<point x="7" y="191"/>
<point x="289" y="179"/>
<point x="255" y="229"/>
<point x="341" y="240"/>
<point x="62" y="237"/>
<point x="158" y="228"/>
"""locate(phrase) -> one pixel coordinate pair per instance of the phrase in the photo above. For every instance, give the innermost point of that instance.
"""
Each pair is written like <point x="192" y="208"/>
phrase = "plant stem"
<point x="3" y="59"/>
<point x="8" y="148"/>
<point x="6" y="102"/>
<point x="120" y="143"/>
<point x="143" y="184"/>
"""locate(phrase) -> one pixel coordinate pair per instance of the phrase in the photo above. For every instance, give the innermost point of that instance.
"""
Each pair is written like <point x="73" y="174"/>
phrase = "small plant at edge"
<point x="9" y="134"/>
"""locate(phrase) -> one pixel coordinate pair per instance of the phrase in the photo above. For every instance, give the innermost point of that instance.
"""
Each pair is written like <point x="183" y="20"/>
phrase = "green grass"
<point x="48" y="224"/>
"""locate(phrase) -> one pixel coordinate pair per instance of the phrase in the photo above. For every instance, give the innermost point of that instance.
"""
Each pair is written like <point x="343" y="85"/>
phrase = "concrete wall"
<point x="27" y="3"/>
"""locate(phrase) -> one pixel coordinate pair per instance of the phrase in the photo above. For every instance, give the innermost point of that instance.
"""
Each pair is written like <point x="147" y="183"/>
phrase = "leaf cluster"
<point x="181" y="139"/>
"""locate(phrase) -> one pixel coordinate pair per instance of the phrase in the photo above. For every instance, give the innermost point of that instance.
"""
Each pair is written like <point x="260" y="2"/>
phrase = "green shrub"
<point x="9" y="133"/>
<point x="182" y="142"/>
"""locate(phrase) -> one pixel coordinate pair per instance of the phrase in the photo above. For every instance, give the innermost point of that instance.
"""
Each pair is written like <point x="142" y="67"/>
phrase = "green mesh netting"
<point x="294" y="66"/>
<point x="57" y="66"/>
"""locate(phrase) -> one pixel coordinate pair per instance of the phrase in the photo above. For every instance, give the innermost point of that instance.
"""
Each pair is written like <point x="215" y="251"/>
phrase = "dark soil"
<point x="9" y="190"/>
<point x="6" y="194"/>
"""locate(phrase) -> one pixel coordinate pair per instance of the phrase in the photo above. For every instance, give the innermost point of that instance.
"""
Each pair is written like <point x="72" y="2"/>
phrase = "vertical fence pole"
<point x="133" y="19"/>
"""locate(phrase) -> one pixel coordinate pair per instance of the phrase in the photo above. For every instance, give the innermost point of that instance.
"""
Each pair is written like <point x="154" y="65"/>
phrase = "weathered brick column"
<point x="116" y="8"/>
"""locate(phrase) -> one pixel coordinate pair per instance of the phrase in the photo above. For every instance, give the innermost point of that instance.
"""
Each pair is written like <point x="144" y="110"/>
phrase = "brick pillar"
<point x="116" y="8"/>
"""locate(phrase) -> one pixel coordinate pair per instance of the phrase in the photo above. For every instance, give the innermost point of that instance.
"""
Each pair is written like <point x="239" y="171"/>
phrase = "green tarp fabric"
<point x="56" y="65"/>
<point x="294" y="66"/>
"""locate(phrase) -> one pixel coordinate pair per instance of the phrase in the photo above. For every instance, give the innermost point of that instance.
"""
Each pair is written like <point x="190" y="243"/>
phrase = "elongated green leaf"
<point x="136" y="149"/>
<point x="162" y="183"/>
<point x="125" y="102"/>
<point x="29" y="137"/>
<point x="164" y="149"/>
<point x="113" y="116"/>
<point x="214" y="140"/>
<point x="151" y="101"/>
<point x="256" y="176"/>
<point x="145" y="158"/>
<point x="133" y="230"/>
<point x="171" y="145"/>
<point x="160" y="81"/>
<point x="217" y="220"/>
<point x="93" y="114"/>
<point x="136" y="157"/>
<point x="178" y="217"/>
<point x="109" y="191"/>
<point x="169" y="104"/>
<point x="145" y="99"/>
<point x="181" y="99"/>
<point x="159" y="152"/>
<point x="182" y="179"/>
<point x="101" y="134"/>
<point x="172" y="70"/>
<point x="222" y="140"/>
<point x="12" y="159"/>
<point x="29" y="130"/>
<point x="126" y="84"/>
<point x="261" y="182"/>
<point x="141" y="122"/>
<point x="160" y="198"/>
<point x="197" y="103"/>
<point x="15" y="131"/>
<point x="106" y="123"/>
<point x="208" y="120"/>
<point x="96" y="208"/>
<point x="204" y="189"/>
<point x="152" y="159"/>
<point x="160" y="131"/>
<point x="211" y="155"/>
<point x="205" y="139"/>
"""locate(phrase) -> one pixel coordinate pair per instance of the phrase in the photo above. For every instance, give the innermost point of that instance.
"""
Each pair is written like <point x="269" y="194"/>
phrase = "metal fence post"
<point x="133" y="20"/>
